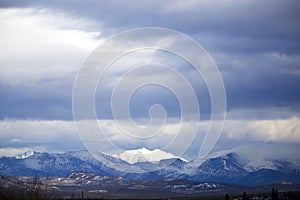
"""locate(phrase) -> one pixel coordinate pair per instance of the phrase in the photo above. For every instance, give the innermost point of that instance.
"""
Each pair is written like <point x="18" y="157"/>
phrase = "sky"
<point x="44" y="45"/>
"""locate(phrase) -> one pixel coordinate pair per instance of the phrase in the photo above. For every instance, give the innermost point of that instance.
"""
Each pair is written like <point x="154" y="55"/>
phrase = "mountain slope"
<point x="52" y="164"/>
<point x="234" y="167"/>
<point x="225" y="168"/>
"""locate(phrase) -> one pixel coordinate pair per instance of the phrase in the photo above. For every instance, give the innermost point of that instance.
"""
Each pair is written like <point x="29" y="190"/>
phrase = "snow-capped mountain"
<point x="145" y="155"/>
<point x="242" y="166"/>
<point x="232" y="166"/>
<point x="26" y="154"/>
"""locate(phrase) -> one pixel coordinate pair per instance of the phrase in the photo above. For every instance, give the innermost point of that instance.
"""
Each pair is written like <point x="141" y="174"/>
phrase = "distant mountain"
<point x="223" y="167"/>
<point x="53" y="164"/>
<point x="234" y="167"/>
<point x="145" y="155"/>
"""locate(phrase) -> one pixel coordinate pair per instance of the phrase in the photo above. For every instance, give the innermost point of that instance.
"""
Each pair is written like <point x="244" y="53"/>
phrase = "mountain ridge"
<point x="226" y="167"/>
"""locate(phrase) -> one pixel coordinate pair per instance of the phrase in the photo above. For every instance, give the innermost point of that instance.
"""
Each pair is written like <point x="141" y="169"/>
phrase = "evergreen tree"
<point x="245" y="197"/>
<point x="290" y="195"/>
<point x="226" y="197"/>
<point x="274" y="195"/>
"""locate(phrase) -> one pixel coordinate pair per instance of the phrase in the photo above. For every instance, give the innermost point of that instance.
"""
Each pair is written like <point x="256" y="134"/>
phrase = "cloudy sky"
<point x="254" y="44"/>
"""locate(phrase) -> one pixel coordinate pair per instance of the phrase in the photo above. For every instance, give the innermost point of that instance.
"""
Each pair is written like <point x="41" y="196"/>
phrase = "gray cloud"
<point x="255" y="45"/>
<point x="252" y="19"/>
<point x="258" y="54"/>
<point x="58" y="135"/>
<point x="51" y="135"/>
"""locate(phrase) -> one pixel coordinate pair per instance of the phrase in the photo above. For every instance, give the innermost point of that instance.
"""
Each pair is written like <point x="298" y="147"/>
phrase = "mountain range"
<point x="230" y="166"/>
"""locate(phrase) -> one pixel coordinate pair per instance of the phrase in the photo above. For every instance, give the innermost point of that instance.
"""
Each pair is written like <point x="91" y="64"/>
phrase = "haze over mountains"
<point x="232" y="166"/>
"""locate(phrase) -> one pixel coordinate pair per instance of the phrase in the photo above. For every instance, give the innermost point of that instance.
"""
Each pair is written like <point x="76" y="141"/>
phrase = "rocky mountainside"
<point x="81" y="185"/>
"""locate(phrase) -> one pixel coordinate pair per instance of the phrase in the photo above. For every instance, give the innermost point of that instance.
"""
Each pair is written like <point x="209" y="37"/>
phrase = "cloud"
<point x="49" y="135"/>
<point x="60" y="135"/>
<point x="17" y="151"/>
<point x="260" y="80"/>
<point x="40" y="47"/>
<point x="280" y="130"/>
<point x="56" y="39"/>
<point x="57" y="135"/>
<point x="266" y="113"/>
<point x="46" y="42"/>
<point x="273" y="20"/>
<point x="43" y="52"/>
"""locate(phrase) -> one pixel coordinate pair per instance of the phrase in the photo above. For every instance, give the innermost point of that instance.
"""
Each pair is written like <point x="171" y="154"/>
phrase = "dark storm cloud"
<point x="40" y="102"/>
<point x="265" y="25"/>
<point x="261" y="81"/>
<point x="254" y="43"/>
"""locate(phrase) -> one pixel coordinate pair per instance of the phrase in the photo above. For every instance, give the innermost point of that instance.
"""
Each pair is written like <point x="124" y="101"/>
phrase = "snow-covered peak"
<point x="145" y="155"/>
<point x="24" y="155"/>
